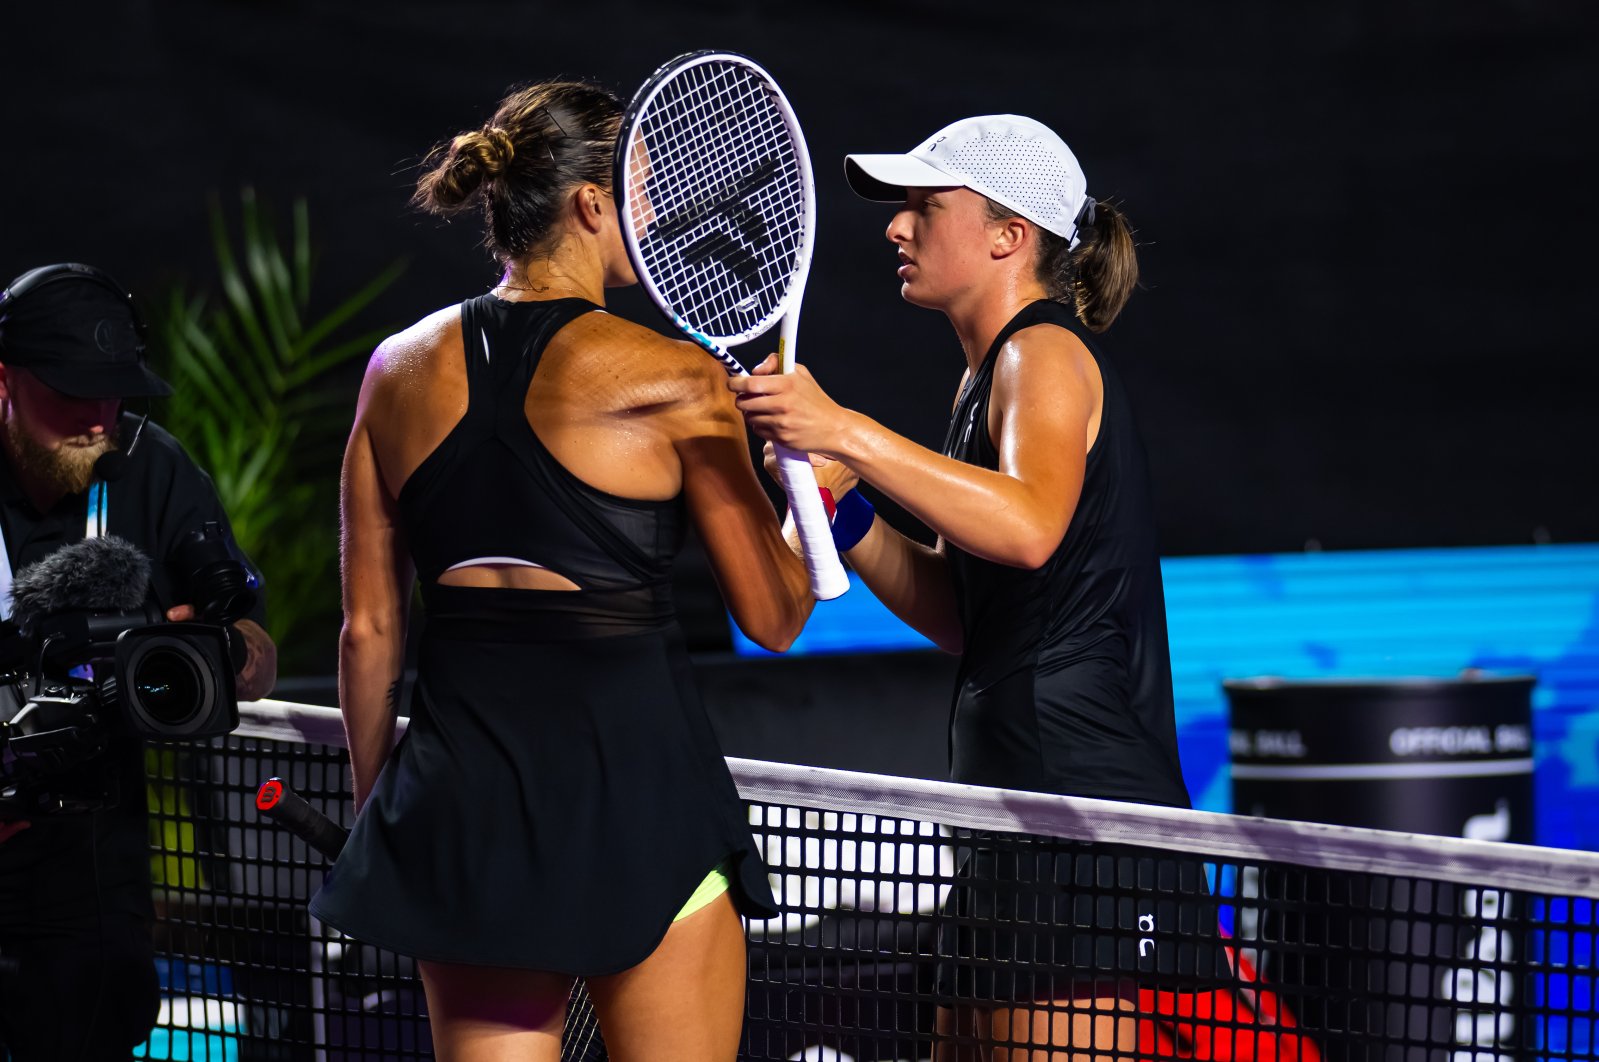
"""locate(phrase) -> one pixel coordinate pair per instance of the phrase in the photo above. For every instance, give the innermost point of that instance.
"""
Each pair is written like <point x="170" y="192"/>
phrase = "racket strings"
<point x="581" y="1042"/>
<point x="717" y="199"/>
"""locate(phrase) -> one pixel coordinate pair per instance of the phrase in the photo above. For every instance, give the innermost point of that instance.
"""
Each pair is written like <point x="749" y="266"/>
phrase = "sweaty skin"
<point x="1044" y="415"/>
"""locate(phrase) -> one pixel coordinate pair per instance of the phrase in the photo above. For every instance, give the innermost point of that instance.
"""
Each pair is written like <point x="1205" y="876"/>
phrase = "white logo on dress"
<point x="1146" y="924"/>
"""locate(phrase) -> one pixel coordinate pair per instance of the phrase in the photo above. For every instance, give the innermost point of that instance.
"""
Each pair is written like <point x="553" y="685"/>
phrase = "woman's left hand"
<point x="790" y="409"/>
<point x="836" y="476"/>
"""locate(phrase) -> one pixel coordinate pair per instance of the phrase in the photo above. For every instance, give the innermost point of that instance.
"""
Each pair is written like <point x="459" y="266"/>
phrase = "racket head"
<point x="715" y="195"/>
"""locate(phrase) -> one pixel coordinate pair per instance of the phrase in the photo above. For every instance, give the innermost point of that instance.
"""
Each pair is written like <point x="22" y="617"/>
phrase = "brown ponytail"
<point x="543" y="141"/>
<point x="1106" y="269"/>
<point x="1097" y="278"/>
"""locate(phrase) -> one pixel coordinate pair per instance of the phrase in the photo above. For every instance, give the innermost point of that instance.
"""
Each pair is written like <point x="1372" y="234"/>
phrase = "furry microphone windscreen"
<point x="106" y="574"/>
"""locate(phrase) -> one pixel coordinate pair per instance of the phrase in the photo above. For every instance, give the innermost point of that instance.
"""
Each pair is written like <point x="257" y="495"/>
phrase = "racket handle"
<point x="810" y="518"/>
<point x="292" y="811"/>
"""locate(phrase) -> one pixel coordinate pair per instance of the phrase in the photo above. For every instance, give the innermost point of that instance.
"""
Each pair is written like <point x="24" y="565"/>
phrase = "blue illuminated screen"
<point x="1510" y="609"/>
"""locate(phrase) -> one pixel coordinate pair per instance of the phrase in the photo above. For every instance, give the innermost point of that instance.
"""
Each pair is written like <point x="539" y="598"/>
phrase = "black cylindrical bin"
<point x="1443" y="756"/>
<point x="1376" y="962"/>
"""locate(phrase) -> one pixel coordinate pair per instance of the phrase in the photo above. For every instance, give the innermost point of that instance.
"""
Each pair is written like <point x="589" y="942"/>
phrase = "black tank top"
<point x="1065" y="681"/>
<point x="492" y="490"/>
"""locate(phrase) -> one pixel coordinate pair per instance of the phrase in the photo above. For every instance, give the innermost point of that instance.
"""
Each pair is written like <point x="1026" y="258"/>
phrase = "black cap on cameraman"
<point x="74" y="328"/>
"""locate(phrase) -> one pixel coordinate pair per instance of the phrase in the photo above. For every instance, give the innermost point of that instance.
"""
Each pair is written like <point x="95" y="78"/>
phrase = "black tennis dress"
<point x="559" y="793"/>
<point x="1065" y="680"/>
<point x="1064" y="687"/>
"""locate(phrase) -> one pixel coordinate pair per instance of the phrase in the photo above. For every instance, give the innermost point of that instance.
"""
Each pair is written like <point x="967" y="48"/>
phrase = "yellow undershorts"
<point x="715" y="883"/>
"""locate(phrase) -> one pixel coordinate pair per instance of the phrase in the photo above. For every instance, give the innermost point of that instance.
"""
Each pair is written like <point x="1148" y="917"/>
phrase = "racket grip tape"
<point x="293" y="812"/>
<point x="810" y="518"/>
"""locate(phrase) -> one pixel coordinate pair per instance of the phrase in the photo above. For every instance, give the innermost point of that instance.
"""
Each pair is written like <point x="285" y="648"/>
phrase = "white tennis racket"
<point x="718" y="211"/>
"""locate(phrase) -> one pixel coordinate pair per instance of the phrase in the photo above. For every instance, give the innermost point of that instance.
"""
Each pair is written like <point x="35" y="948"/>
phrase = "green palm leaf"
<point x="262" y="403"/>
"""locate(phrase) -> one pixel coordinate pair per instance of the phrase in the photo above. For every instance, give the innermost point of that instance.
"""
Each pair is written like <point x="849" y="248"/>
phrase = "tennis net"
<point x="923" y="919"/>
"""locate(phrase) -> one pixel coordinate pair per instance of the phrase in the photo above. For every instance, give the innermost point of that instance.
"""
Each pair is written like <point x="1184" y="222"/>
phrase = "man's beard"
<point x="69" y="468"/>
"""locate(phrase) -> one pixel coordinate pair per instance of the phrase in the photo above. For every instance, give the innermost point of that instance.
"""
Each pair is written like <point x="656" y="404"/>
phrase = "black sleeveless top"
<point x="559" y="793"/>
<point x="492" y="490"/>
<point x="1065" y="682"/>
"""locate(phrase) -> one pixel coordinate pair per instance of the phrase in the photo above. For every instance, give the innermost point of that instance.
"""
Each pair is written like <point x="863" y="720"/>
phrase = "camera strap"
<point x="94" y="526"/>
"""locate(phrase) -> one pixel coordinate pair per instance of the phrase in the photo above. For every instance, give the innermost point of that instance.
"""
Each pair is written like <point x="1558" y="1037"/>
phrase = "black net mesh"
<point x="920" y="936"/>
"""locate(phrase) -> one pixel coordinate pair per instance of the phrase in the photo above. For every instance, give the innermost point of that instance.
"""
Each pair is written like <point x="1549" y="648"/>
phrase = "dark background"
<point x="1367" y="227"/>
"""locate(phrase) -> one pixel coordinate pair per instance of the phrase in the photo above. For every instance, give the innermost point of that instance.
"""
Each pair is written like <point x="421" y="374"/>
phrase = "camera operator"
<point x="75" y="890"/>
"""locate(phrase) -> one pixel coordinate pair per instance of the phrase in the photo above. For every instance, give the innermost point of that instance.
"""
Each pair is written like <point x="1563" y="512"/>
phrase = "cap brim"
<point x="118" y="381"/>
<point x="884" y="178"/>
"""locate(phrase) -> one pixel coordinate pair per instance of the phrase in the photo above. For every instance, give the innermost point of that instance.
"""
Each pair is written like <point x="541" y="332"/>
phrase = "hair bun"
<point x="500" y="150"/>
<point x="488" y="150"/>
<point x="518" y="165"/>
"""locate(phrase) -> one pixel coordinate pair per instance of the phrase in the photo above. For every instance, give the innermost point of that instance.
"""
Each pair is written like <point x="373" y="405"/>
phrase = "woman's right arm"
<point x="763" y="583"/>
<point x="377" y="577"/>
<point x="910" y="579"/>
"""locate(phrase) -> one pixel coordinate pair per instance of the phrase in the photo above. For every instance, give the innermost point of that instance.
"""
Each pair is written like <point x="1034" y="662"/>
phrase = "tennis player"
<point x="558" y="805"/>
<point x="1045" y="577"/>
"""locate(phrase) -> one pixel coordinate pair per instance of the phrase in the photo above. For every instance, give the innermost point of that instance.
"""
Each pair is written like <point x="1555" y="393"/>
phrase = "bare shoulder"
<point x="414" y="392"/>
<point x="647" y="368"/>
<point x="422" y="364"/>
<point x="627" y="339"/>
<point x="407" y="352"/>
<point x="1045" y="355"/>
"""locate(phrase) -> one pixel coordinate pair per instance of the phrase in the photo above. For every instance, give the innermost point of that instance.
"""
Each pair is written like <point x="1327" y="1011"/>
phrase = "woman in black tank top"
<point x="558" y="806"/>
<point x="1045" y="577"/>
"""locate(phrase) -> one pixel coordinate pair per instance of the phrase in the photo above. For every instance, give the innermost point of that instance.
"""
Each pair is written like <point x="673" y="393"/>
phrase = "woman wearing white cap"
<point x="1045" y="576"/>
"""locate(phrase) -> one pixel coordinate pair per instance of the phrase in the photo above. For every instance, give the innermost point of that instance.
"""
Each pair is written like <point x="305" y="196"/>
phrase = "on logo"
<point x="1146" y="924"/>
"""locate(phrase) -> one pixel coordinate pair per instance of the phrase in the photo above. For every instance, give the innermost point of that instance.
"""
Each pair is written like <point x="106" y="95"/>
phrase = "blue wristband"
<point x="851" y="520"/>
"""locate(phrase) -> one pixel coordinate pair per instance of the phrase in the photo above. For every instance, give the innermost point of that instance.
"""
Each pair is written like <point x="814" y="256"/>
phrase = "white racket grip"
<point x="828" y="579"/>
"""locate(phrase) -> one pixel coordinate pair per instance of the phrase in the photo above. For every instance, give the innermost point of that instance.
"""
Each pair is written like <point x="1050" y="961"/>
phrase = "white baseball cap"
<point x="1015" y="161"/>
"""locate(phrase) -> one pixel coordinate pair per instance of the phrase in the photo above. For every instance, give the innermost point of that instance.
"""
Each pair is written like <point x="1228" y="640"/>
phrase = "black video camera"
<point x="91" y="661"/>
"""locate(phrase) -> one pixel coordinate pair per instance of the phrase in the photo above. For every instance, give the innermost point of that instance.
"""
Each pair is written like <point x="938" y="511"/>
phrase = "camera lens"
<point x="168" y="686"/>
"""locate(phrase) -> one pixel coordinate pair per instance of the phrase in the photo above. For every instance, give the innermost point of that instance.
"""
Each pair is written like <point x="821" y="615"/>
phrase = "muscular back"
<point x="610" y="400"/>
<point x="625" y="410"/>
